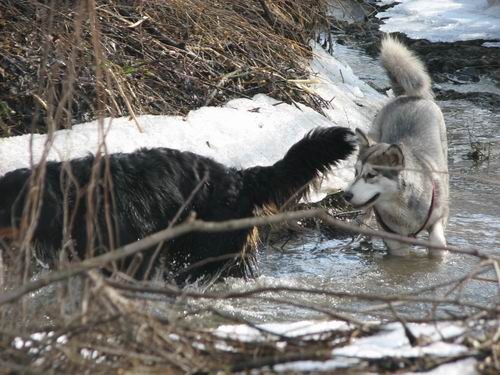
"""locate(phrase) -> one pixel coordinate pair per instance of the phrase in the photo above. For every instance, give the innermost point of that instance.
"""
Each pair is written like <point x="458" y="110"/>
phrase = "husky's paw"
<point x="438" y="254"/>
<point x="400" y="252"/>
<point x="437" y="238"/>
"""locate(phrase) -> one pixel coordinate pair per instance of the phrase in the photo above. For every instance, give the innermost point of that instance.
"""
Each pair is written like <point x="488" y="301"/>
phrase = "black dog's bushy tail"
<point x="313" y="155"/>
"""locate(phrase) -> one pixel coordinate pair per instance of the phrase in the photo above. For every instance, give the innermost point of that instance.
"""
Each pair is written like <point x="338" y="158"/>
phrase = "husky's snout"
<point x="348" y="196"/>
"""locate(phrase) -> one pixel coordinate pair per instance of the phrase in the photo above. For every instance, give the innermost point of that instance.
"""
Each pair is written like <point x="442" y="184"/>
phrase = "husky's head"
<point x="377" y="172"/>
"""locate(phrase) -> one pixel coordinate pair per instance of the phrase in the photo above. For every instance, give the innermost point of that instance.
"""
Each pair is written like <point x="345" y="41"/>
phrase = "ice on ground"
<point x="444" y="20"/>
<point x="242" y="133"/>
<point x="484" y="85"/>
<point x="434" y="340"/>
<point x="346" y="10"/>
<point x="491" y="44"/>
<point x="310" y="328"/>
<point x="316" y="366"/>
<point x="392" y="342"/>
<point x="387" y="2"/>
<point x="464" y="367"/>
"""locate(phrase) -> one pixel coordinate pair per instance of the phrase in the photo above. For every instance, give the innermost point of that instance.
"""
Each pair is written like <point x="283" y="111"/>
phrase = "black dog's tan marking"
<point x="148" y="189"/>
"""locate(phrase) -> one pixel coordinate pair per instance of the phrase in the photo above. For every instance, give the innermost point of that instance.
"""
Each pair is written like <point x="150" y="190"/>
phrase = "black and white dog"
<point x="104" y="203"/>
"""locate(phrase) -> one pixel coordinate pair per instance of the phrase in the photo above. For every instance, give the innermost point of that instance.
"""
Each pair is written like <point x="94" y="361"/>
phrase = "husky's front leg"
<point x="436" y="237"/>
<point x="365" y="220"/>
<point x="397" y="248"/>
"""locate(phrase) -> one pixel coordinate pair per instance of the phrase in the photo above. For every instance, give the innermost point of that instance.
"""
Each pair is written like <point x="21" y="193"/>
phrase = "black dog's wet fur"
<point x="150" y="186"/>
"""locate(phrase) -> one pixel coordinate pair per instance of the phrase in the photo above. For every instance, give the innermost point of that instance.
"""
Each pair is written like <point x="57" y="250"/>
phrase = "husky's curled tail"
<point x="407" y="73"/>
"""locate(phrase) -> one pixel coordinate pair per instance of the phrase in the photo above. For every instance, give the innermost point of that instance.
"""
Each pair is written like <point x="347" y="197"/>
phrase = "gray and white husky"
<point x="402" y="170"/>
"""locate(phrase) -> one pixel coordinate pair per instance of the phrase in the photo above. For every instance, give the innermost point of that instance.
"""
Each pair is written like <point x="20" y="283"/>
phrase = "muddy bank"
<point x="455" y="65"/>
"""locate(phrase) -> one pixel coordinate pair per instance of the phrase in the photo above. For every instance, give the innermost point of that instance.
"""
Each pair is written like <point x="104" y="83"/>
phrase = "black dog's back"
<point x="124" y="197"/>
<point x="149" y="187"/>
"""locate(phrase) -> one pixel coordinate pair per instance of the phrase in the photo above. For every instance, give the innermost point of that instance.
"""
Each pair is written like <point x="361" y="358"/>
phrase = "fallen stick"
<point x="201" y="226"/>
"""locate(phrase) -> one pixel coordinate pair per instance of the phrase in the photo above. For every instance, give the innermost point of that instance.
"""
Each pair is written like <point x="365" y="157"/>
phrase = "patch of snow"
<point x="392" y="342"/>
<point x="491" y="44"/>
<point x="352" y="102"/>
<point x="316" y="366"/>
<point x="346" y="10"/>
<point x="311" y="329"/>
<point x="464" y="367"/>
<point x="484" y="85"/>
<point x="444" y="20"/>
<point x="242" y="133"/>
<point x="387" y="2"/>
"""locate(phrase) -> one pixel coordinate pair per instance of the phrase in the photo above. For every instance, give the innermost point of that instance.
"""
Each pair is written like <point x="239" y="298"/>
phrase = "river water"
<point x="313" y="260"/>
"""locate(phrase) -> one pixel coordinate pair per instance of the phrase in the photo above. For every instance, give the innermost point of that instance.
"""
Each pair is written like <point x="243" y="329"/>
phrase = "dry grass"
<point x="73" y="61"/>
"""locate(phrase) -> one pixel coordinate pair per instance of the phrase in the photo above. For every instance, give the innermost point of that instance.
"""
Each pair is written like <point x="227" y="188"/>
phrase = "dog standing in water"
<point x="402" y="167"/>
<point x="90" y="205"/>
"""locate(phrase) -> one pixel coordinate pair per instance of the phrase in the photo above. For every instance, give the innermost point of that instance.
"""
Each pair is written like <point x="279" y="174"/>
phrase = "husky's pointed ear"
<point x="395" y="156"/>
<point x="363" y="140"/>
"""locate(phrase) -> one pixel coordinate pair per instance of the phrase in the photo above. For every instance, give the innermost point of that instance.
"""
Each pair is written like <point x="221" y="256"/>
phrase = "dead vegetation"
<point x="73" y="61"/>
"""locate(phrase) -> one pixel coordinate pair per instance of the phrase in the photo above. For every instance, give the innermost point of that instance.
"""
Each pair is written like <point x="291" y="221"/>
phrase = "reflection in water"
<point x="406" y="271"/>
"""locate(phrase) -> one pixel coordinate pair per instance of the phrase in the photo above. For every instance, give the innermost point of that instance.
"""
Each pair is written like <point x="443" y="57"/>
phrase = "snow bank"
<point x="443" y="20"/>
<point x="308" y="328"/>
<point x="390" y="342"/>
<point x="243" y="133"/>
<point x="464" y="367"/>
<point x="491" y="44"/>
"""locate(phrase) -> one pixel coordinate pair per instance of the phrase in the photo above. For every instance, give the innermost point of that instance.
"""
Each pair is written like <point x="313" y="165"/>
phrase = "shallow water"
<point x="315" y="261"/>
